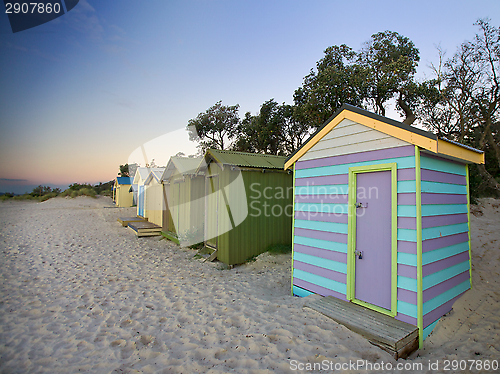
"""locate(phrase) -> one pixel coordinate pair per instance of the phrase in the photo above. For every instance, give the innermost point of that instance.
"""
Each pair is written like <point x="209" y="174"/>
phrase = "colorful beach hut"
<point x="381" y="217"/>
<point x="141" y="174"/>
<point x="184" y="192"/>
<point x="153" y="196"/>
<point x="248" y="203"/>
<point x="121" y="195"/>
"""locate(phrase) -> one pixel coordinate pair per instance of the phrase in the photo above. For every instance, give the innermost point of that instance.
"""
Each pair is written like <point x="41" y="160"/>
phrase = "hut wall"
<point x="168" y="221"/>
<point x="123" y="196"/>
<point x="154" y="203"/>
<point x="445" y="238"/>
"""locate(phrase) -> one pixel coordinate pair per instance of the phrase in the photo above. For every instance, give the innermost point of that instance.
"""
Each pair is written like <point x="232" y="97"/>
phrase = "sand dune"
<point x="80" y="293"/>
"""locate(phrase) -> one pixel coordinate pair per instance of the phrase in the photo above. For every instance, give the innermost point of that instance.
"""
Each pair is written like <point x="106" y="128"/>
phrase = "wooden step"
<point x="145" y="228"/>
<point x="126" y="220"/>
<point x="396" y="337"/>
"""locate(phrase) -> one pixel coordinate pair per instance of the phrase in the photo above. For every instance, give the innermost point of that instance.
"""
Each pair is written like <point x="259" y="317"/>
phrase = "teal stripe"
<point x="437" y="210"/>
<point x="446" y="296"/>
<point x="436" y="232"/>
<point x="322" y="226"/>
<point x="441" y="165"/>
<point x="321" y="262"/>
<point x="324" y="244"/>
<point x="445" y="274"/>
<point x="320" y="281"/>
<point x="406" y="283"/>
<point x="333" y="189"/>
<point x="406" y="186"/>
<point x="436" y="187"/>
<point x="407" y="309"/>
<point x="407" y="211"/>
<point x="441" y="253"/>
<point x="408" y="235"/>
<point x="402" y="163"/>
<point x="429" y="328"/>
<point x="301" y="292"/>
<point x="321" y="208"/>
<point x="407" y="259"/>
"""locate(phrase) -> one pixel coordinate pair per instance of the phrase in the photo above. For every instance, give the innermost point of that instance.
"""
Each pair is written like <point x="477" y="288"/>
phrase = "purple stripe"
<point x="317" y="289"/>
<point x="321" y="253"/>
<point x="407" y="247"/>
<point x="444" y="263"/>
<point x="409" y="223"/>
<point x="323" y="235"/>
<point x="407" y="198"/>
<point x="407" y="271"/>
<point x="325" y="273"/>
<point x="323" y="199"/>
<point x="407" y="296"/>
<point x="444" y="241"/>
<point x="322" y="181"/>
<point x="407" y="319"/>
<point x="406" y="174"/>
<point x="379" y="154"/>
<point x="323" y="217"/>
<point x="438" y="289"/>
<point x="444" y="220"/>
<point x="441" y="198"/>
<point x="440" y="311"/>
<point x="442" y="177"/>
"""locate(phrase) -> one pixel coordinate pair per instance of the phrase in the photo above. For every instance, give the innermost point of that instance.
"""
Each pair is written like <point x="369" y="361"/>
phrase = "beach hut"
<point x="140" y="177"/>
<point x="381" y="217"/>
<point x="121" y="195"/>
<point x="184" y="192"/>
<point x="248" y="204"/>
<point x="153" y="196"/>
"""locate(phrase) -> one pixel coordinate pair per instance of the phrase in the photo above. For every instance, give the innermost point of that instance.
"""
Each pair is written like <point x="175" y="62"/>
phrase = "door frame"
<point x="351" y="240"/>
<point x="208" y="188"/>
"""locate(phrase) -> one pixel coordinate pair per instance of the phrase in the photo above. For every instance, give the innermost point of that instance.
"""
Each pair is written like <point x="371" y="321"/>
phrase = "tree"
<point x="124" y="172"/>
<point x="216" y="127"/>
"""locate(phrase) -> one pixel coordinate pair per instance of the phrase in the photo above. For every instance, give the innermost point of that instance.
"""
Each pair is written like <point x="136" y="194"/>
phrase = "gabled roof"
<point x="423" y="139"/>
<point x="156" y="174"/>
<point x="142" y="173"/>
<point x="243" y="159"/>
<point x="185" y="166"/>
<point x="123" y="180"/>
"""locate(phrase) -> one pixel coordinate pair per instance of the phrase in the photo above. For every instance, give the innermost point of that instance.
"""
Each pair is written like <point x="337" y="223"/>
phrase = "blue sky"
<point x="81" y="93"/>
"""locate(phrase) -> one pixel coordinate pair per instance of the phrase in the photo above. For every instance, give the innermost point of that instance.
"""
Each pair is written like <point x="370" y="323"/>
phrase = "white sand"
<point x="80" y="293"/>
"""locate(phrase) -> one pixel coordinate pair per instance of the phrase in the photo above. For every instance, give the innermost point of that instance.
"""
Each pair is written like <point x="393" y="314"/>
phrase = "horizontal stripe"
<point x="445" y="252"/>
<point x="409" y="297"/>
<point x="404" y="318"/>
<point x="323" y="199"/>
<point x="406" y="198"/>
<point x="302" y="287"/>
<point x="445" y="241"/>
<point x="437" y="210"/>
<point x="320" y="281"/>
<point x="407" y="259"/>
<point x="407" y="308"/>
<point x="321" y="253"/>
<point x="443" y="165"/>
<point x="436" y="302"/>
<point x="406" y="187"/>
<point x="409" y="223"/>
<point x="442" y="287"/>
<point x="322" y="208"/>
<point x="447" y="219"/>
<point x="405" y="283"/>
<point x="406" y="174"/>
<point x="429" y="329"/>
<point x="441" y="198"/>
<point x="325" y="180"/>
<point x="323" y="235"/>
<point x="445" y="263"/>
<point x="322" y="272"/>
<point x="357" y="157"/>
<point x="443" y="188"/>
<point x="321" y="262"/>
<point x="407" y="211"/>
<point x="335" y="189"/>
<point x="439" y="312"/>
<point x="407" y="247"/>
<point x="442" y="275"/>
<point x="322" y="226"/>
<point x="439" y="176"/>
<point x="321" y="216"/>
<point x="324" y="244"/>
<point x="437" y="232"/>
<point x="408" y="235"/>
<point x="402" y="162"/>
<point x="407" y="271"/>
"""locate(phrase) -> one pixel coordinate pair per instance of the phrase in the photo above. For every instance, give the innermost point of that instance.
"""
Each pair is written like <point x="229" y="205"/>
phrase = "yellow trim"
<point x="437" y="146"/>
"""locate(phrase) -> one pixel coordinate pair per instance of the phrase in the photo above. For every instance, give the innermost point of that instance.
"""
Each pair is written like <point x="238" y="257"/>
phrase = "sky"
<point x="109" y="80"/>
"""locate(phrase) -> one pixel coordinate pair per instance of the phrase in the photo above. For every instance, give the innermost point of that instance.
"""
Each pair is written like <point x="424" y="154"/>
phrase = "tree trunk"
<point x="488" y="178"/>
<point x="410" y="116"/>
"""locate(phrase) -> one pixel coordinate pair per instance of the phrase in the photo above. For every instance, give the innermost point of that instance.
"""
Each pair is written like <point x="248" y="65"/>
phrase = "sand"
<point x="80" y="293"/>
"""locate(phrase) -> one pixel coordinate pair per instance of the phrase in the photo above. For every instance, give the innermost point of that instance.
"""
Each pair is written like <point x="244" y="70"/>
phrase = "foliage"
<point x="124" y="171"/>
<point x="279" y="249"/>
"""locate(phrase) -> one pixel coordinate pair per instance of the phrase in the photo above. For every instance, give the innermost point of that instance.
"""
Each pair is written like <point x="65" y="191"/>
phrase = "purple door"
<point x="373" y="238"/>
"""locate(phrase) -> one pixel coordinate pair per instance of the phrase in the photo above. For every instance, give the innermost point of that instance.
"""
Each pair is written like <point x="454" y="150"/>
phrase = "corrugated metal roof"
<point x="155" y="173"/>
<point x="185" y="165"/>
<point x="243" y="159"/>
<point x="124" y="180"/>
<point x="142" y="173"/>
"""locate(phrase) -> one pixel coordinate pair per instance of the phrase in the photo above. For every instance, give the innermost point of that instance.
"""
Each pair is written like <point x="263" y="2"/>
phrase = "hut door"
<point x="373" y="238"/>
<point x="140" y="201"/>
<point x="212" y="210"/>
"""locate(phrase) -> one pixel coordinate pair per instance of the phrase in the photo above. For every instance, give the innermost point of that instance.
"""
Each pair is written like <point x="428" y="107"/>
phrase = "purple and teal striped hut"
<point x="381" y="217"/>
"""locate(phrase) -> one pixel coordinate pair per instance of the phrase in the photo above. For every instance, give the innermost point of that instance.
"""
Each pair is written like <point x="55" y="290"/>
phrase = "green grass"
<point x="280" y="249"/>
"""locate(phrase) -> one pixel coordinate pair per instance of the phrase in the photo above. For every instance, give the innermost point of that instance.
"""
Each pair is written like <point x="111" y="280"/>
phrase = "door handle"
<point x="358" y="254"/>
<point x="360" y="205"/>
